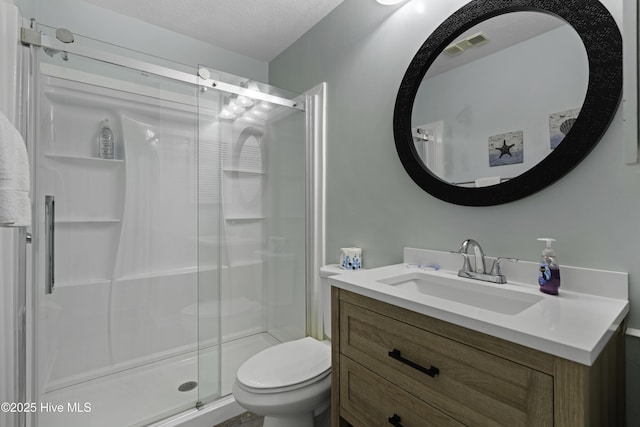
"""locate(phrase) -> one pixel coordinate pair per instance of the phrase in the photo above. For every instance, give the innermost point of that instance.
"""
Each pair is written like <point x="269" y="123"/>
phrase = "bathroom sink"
<point x="497" y="299"/>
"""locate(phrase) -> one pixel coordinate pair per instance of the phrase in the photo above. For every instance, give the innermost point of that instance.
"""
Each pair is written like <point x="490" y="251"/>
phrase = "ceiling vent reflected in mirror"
<point x="453" y="49"/>
<point x="477" y="39"/>
<point x="471" y="41"/>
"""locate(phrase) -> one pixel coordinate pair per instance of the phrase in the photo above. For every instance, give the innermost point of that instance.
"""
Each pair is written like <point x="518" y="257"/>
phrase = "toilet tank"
<point x="327" y="271"/>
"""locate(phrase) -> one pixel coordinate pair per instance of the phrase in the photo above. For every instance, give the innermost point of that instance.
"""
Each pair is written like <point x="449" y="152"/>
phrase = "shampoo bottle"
<point x="549" y="272"/>
<point x="105" y="141"/>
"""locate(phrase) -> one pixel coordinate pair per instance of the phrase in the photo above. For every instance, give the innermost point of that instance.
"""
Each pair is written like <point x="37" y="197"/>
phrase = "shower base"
<point x="137" y="397"/>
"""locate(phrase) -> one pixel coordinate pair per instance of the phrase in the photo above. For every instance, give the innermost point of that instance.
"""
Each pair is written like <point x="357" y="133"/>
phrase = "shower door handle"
<point x="49" y="238"/>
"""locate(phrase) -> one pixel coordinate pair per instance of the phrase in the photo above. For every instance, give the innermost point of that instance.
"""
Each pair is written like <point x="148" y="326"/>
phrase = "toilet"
<point x="290" y="383"/>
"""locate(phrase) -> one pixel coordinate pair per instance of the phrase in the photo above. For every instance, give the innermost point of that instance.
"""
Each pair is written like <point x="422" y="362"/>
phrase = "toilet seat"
<point x="284" y="367"/>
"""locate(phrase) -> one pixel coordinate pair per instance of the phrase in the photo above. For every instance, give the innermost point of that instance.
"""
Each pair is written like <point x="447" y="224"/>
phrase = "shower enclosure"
<point x="156" y="273"/>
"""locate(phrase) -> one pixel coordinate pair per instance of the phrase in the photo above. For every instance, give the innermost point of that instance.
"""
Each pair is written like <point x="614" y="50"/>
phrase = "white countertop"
<point x="573" y="325"/>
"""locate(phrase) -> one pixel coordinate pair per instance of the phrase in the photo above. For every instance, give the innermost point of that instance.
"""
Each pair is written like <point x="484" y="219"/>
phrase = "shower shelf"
<point x="83" y="158"/>
<point x="245" y="218"/>
<point x="87" y="220"/>
<point x="157" y="273"/>
<point x="88" y="282"/>
<point x="245" y="263"/>
<point x="243" y="171"/>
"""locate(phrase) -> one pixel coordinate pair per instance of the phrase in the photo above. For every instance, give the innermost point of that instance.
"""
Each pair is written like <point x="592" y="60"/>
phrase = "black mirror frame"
<point x="603" y="42"/>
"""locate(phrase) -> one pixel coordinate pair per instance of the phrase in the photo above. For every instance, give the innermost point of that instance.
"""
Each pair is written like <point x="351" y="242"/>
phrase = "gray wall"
<point x="362" y="50"/>
<point x="102" y="24"/>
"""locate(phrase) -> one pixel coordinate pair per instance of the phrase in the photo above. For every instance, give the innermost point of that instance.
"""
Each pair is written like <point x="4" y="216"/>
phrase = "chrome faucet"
<point x="478" y="253"/>
<point x="479" y="271"/>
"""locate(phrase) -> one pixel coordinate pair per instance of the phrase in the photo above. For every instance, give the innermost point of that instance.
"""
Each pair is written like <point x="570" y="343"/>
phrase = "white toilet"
<point x="290" y="383"/>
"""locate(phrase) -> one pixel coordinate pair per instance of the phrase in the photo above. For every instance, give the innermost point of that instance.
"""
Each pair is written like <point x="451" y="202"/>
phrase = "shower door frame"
<point x="29" y="36"/>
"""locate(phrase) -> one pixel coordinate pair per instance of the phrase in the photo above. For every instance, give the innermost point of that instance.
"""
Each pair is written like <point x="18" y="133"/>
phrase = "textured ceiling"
<point x="260" y="29"/>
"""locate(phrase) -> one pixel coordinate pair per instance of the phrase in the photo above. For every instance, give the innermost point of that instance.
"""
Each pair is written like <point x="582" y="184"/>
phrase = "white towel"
<point x="15" y="207"/>
<point x="487" y="181"/>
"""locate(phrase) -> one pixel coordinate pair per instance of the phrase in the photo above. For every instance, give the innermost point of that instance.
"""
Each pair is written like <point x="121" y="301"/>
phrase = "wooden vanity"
<point x="396" y="367"/>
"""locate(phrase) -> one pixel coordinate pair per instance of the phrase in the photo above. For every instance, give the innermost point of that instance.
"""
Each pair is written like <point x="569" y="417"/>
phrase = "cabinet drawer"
<point x="369" y="401"/>
<point x="472" y="386"/>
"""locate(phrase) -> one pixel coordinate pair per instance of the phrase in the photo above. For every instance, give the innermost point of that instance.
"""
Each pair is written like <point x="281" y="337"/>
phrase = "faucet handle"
<point x="466" y="265"/>
<point x="495" y="269"/>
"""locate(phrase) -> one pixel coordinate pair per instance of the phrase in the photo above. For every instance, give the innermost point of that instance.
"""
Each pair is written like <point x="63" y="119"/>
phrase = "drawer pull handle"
<point x="432" y="371"/>
<point x="395" y="420"/>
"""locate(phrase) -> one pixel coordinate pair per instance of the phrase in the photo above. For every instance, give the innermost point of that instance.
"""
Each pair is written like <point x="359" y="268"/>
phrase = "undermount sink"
<point x="497" y="299"/>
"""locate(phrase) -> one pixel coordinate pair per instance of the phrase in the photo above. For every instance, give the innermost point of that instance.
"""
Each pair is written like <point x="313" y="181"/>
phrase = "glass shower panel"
<point x="209" y="245"/>
<point x="258" y="184"/>
<point x="285" y="257"/>
<point x="117" y="339"/>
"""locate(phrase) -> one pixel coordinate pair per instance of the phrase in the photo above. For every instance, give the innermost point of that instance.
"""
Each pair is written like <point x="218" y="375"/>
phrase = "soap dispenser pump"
<point x="549" y="272"/>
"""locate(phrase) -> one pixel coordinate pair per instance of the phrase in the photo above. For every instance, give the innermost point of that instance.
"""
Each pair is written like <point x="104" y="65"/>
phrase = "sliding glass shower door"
<point x="118" y="275"/>
<point x="253" y="210"/>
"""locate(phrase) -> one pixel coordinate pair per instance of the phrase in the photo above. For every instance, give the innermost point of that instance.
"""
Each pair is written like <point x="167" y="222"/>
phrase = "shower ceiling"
<point x="260" y="29"/>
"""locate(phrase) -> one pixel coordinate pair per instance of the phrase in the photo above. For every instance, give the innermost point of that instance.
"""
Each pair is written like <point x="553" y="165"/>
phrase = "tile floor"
<point x="243" y="420"/>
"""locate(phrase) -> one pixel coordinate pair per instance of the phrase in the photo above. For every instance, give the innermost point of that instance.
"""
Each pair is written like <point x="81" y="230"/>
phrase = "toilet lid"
<point x="286" y="364"/>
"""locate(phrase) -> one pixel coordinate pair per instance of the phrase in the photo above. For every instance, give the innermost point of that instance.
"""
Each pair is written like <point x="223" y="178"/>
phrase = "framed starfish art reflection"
<point x="506" y="148"/>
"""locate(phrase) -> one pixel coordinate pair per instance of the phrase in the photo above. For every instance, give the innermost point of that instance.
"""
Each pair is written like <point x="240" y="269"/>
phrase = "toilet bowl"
<point x="287" y="383"/>
<point x="290" y="383"/>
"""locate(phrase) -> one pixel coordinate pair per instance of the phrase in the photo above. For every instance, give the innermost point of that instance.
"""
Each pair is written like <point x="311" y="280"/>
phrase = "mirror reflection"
<point x="499" y="98"/>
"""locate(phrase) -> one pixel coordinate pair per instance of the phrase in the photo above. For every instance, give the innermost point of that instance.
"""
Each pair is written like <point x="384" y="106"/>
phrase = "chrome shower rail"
<point x="32" y="37"/>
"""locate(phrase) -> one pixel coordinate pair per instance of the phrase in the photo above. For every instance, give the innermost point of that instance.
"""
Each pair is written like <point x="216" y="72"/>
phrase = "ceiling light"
<point x="265" y="106"/>
<point x="226" y="114"/>
<point x="257" y="114"/>
<point x="389" y="2"/>
<point x="234" y="107"/>
<point x="243" y="101"/>
<point x="251" y="85"/>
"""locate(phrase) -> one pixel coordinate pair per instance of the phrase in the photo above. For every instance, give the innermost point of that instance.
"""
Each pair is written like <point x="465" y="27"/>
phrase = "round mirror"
<point x="501" y="101"/>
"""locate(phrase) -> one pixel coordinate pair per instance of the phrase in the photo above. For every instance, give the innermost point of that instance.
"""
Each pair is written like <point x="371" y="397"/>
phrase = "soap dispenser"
<point x="549" y="272"/>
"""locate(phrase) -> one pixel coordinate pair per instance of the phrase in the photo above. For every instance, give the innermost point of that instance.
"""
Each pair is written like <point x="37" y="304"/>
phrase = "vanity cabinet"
<point x="393" y="366"/>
